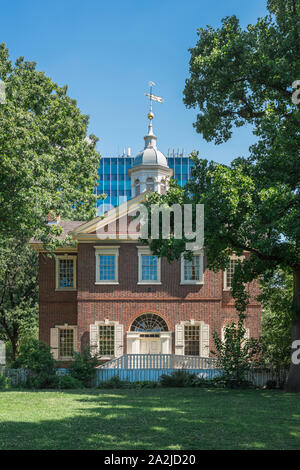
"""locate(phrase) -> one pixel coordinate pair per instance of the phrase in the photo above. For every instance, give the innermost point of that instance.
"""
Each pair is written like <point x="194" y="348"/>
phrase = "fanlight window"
<point x="149" y="322"/>
<point x="150" y="184"/>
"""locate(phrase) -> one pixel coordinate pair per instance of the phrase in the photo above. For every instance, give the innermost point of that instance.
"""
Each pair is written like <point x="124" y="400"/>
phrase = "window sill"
<point x="65" y="289"/>
<point x="192" y="283"/>
<point x="101" y="283"/>
<point x="149" y="283"/>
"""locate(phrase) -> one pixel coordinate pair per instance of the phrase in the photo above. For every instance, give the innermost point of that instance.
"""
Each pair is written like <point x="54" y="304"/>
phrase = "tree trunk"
<point x="14" y="349"/>
<point x="293" y="381"/>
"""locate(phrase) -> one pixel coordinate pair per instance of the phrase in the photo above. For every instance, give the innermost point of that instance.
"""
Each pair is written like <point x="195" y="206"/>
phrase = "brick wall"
<point x="55" y="307"/>
<point x="174" y="302"/>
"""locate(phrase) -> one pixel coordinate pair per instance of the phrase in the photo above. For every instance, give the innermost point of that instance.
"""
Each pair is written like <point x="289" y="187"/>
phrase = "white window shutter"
<point x="75" y="329"/>
<point x="223" y="334"/>
<point x="201" y="267"/>
<point x="179" y="339"/>
<point x="119" y="340"/>
<point x="54" y="342"/>
<point x="247" y="333"/>
<point x="204" y="340"/>
<point x="94" y="339"/>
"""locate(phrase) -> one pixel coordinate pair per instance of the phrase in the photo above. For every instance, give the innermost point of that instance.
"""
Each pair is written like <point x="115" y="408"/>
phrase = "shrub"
<point x="42" y="380"/>
<point x="37" y="357"/>
<point x="116" y="382"/>
<point x="271" y="384"/>
<point x="66" y="381"/>
<point x="146" y="384"/>
<point x="178" y="378"/>
<point x="83" y="366"/>
<point x="235" y="354"/>
<point x="5" y="382"/>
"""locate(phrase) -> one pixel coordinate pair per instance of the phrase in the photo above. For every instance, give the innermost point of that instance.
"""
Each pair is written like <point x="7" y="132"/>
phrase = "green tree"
<point x="48" y="165"/>
<point x="244" y="77"/>
<point x="277" y="299"/>
<point x="18" y="293"/>
<point x="235" y="352"/>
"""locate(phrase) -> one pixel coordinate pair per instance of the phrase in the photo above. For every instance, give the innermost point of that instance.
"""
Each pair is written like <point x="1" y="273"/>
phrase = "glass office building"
<point x="115" y="181"/>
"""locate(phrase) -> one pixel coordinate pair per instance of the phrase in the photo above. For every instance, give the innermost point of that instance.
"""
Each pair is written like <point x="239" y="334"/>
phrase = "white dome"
<point x="150" y="156"/>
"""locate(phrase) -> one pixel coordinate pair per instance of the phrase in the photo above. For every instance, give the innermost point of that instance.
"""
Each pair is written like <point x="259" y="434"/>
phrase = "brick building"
<point x="110" y="293"/>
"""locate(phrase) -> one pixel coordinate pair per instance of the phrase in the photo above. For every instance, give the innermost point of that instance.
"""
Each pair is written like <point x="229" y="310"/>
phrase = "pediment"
<point x="112" y="221"/>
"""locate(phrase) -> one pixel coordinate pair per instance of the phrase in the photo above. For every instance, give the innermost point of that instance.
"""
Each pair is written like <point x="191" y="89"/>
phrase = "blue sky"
<point x="107" y="51"/>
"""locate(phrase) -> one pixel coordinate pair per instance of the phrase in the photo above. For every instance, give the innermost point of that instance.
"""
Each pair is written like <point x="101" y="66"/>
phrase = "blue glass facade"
<point x="115" y="181"/>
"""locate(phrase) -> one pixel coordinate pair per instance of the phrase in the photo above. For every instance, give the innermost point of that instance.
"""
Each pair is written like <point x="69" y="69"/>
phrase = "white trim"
<point x="191" y="282"/>
<point x="112" y="215"/>
<point x="58" y="258"/>
<point x="66" y="327"/>
<point x="134" y="339"/>
<point x="107" y="322"/>
<point x="107" y="250"/>
<point x="203" y="340"/>
<point x="232" y="257"/>
<point x="146" y="251"/>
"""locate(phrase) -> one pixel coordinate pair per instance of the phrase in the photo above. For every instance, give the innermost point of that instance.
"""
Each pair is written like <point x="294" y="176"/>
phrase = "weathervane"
<point x="152" y="98"/>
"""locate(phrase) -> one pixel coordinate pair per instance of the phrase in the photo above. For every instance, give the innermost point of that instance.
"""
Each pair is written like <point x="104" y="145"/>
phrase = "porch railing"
<point x="159" y="361"/>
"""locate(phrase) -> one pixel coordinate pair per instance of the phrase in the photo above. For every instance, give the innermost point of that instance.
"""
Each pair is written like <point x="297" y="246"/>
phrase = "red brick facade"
<point x="125" y="301"/>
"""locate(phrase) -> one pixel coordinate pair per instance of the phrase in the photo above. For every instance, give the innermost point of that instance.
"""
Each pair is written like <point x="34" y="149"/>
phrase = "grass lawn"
<point x="149" y="419"/>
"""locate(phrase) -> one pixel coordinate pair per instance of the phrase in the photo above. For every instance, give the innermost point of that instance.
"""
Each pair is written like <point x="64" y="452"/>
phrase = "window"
<point x="65" y="272"/>
<point x="223" y="330"/>
<point x="107" y="340"/>
<point x="66" y="342"/>
<point x="192" y="340"/>
<point x="63" y="342"/>
<point x="107" y="267"/>
<point x="149" y="267"/>
<point x="149" y="322"/>
<point x="107" y="264"/>
<point x="192" y="270"/>
<point x="229" y="272"/>
<point x="163" y="187"/>
<point x="150" y="184"/>
<point x="137" y="187"/>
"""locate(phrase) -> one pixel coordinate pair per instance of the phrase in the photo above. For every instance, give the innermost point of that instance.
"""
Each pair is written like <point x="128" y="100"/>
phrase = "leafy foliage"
<point x="83" y="366"/>
<point x="5" y="382"/>
<point x="178" y="378"/>
<point x="235" y="353"/>
<point x="244" y="77"/>
<point x="67" y="382"/>
<point x="277" y="299"/>
<point x="18" y="293"/>
<point x="45" y="154"/>
<point x="37" y="357"/>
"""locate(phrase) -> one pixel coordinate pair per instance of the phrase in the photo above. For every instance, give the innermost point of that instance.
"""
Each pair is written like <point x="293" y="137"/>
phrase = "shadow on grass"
<point x="155" y="419"/>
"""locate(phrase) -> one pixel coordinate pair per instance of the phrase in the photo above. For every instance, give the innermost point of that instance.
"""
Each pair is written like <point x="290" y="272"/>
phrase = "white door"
<point x="150" y="346"/>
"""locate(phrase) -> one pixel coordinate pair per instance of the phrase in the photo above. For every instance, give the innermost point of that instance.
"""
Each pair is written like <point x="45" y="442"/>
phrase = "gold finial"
<point x="152" y="98"/>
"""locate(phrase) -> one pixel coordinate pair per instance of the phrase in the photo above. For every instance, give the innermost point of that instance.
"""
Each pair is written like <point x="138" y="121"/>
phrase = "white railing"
<point x="159" y="361"/>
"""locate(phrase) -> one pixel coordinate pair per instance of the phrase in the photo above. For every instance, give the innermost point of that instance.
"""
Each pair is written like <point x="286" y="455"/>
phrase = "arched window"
<point x="150" y="184"/>
<point x="137" y="185"/>
<point x="163" y="187"/>
<point x="149" y="322"/>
